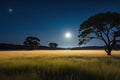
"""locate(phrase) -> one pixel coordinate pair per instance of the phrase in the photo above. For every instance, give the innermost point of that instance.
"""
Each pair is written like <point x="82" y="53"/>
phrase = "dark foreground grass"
<point x="63" y="68"/>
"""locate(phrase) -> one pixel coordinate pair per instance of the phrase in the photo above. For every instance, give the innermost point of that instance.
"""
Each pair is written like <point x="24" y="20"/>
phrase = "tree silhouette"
<point x="53" y="45"/>
<point x="103" y="26"/>
<point x="32" y="42"/>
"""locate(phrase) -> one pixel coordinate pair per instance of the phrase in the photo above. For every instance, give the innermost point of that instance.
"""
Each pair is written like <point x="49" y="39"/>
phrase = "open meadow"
<point x="59" y="65"/>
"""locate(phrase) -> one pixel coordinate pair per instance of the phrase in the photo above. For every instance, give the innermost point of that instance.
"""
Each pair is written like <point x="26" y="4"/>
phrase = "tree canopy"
<point x="53" y="45"/>
<point x="102" y="26"/>
<point x="32" y="42"/>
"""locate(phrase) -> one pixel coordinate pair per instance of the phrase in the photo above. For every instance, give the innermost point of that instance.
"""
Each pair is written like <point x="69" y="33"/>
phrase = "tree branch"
<point x="103" y="38"/>
<point x="107" y="35"/>
<point x="118" y="41"/>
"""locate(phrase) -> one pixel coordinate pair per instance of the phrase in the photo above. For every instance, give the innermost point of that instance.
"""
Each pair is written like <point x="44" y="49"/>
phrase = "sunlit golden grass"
<point x="59" y="65"/>
<point x="55" y="53"/>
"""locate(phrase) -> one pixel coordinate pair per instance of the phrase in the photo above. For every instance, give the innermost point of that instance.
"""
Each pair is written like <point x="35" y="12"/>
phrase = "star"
<point x="10" y="10"/>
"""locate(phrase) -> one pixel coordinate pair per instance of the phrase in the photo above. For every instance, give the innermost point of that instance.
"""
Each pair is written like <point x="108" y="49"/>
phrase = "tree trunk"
<point x="108" y="50"/>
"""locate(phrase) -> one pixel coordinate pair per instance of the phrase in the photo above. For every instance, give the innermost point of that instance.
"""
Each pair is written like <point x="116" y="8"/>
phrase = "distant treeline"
<point x="4" y="46"/>
<point x="88" y="48"/>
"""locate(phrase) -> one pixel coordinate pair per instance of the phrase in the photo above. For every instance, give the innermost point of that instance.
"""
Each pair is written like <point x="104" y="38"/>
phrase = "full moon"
<point x="68" y="35"/>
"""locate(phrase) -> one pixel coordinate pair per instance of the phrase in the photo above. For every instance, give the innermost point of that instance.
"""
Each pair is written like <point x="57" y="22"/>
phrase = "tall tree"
<point x="103" y="26"/>
<point x="53" y="45"/>
<point x="32" y="42"/>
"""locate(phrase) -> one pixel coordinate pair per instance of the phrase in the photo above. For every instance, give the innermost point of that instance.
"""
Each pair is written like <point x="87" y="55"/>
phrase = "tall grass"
<point x="60" y="68"/>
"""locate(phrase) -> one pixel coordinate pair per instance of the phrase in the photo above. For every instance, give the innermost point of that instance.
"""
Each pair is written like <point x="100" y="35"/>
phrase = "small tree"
<point x="103" y="26"/>
<point x="53" y="45"/>
<point x="32" y="42"/>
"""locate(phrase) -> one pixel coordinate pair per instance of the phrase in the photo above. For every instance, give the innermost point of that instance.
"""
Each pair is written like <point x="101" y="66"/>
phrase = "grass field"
<point x="59" y="65"/>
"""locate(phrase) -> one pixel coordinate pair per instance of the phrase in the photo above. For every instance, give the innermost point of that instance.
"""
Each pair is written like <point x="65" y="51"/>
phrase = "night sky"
<point x="49" y="20"/>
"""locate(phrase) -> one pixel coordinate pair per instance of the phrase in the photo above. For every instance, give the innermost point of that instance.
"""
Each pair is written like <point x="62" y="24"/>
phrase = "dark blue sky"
<point x="49" y="19"/>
